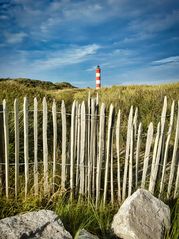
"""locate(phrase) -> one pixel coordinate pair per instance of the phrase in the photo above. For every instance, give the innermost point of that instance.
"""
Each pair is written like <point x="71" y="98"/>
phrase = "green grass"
<point x="78" y="214"/>
<point x="149" y="99"/>
<point x="45" y="85"/>
<point x="173" y="233"/>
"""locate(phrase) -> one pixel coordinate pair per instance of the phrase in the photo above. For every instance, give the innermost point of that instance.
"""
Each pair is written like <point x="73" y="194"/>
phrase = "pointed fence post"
<point x="166" y="147"/>
<point x="72" y="143"/>
<point x="174" y="156"/>
<point x="54" y="116"/>
<point x="78" y="148"/>
<point x="75" y="136"/>
<point x="110" y="124"/>
<point x="157" y="161"/>
<point x="111" y="167"/>
<point x="147" y="153"/>
<point x="64" y="135"/>
<point x="82" y="148"/>
<point x="129" y="128"/>
<point x="6" y="143"/>
<point x="89" y="125"/>
<point x="16" y="130"/>
<point x="45" y="146"/>
<point x="135" y="123"/>
<point x="36" y="187"/>
<point x="94" y="145"/>
<point x="118" y="155"/>
<point x="2" y="153"/>
<point x="155" y="152"/>
<point x="137" y="153"/>
<point x="92" y="139"/>
<point x="101" y="151"/>
<point x="131" y="162"/>
<point x="26" y="145"/>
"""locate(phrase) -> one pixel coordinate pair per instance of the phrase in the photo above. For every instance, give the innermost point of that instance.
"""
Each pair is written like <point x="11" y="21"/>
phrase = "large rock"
<point x="83" y="234"/>
<point x="43" y="224"/>
<point x="141" y="216"/>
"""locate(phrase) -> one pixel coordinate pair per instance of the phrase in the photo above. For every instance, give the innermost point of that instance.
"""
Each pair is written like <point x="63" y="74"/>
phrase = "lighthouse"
<point x="98" y="77"/>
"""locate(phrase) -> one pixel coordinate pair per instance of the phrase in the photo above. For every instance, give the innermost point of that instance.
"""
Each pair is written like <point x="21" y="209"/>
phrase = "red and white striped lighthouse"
<point x="98" y="77"/>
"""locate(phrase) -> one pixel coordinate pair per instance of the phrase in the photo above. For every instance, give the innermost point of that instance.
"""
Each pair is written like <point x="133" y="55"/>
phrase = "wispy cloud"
<point x="3" y="17"/>
<point x="67" y="57"/>
<point x="158" y="22"/>
<point x="14" y="38"/>
<point x="168" y="60"/>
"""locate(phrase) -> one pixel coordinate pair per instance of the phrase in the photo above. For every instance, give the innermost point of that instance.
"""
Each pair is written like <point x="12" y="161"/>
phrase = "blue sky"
<point x="134" y="42"/>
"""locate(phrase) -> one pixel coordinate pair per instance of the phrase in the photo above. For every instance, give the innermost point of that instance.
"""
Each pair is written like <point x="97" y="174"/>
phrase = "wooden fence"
<point x="89" y="159"/>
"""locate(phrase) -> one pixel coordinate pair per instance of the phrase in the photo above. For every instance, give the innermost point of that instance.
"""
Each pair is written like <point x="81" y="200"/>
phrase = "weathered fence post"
<point x="108" y="150"/>
<point x="135" y="123"/>
<point x="174" y="156"/>
<point x="92" y="139"/>
<point x="76" y="137"/>
<point x="166" y="147"/>
<point x="54" y="115"/>
<point x="94" y="145"/>
<point x="147" y="153"/>
<point x="89" y="124"/>
<point x="64" y="134"/>
<point x="82" y="148"/>
<point x="131" y="162"/>
<point x="155" y="151"/>
<point x="111" y="166"/>
<point x="6" y="141"/>
<point x="157" y="161"/>
<point x="128" y="141"/>
<point x="16" y="129"/>
<point x="26" y="145"/>
<point x="137" y="153"/>
<point x="36" y="146"/>
<point x="2" y="153"/>
<point x="72" y="144"/>
<point x="101" y="151"/>
<point x="118" y="154"/>
<point x="78" y="147"/>
<point x="45" y="146"/>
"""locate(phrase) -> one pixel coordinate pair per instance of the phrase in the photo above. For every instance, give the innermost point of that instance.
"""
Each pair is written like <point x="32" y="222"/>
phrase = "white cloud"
<point x="156" y="23"/>
<point x="4" y="17"/>
<point x="139" y="36"/>
<point x="67" y="57"/>
<point x="168" y="60"/>
<point x="14" y="38"/>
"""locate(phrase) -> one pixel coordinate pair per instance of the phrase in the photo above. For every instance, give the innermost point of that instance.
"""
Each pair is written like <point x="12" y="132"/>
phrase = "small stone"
<point x="141" y="216"/>
<point x="86" y="235"/>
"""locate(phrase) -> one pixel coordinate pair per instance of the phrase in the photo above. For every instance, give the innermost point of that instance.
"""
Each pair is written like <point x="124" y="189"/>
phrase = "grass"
<point x="148" y="99"/>
<point x="173" y="233"/>
<point x="75" y="214"/>
<point x="79" y="214"/>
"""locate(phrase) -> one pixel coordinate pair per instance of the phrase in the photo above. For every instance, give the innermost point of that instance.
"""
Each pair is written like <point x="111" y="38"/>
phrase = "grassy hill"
<point x="20" y="87"/>
<point x="148" y="98"/>
<point x="120" y="96"/>
<point x="45" y="85"/>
